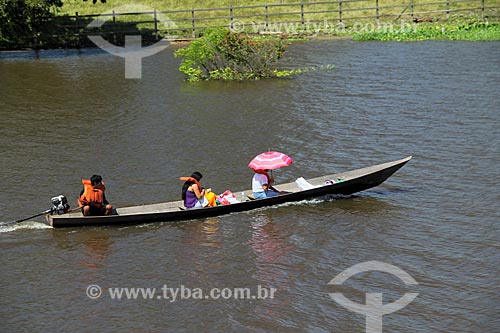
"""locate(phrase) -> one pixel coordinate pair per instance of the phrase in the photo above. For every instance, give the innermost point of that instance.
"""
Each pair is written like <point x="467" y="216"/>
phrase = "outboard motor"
<point x="59" y="205"/>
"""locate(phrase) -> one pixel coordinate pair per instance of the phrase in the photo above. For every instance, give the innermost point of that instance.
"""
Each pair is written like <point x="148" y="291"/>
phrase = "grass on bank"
<point x="360" y="7"/>
<point x="248" y="11"/>
<point x="358" y="17"/>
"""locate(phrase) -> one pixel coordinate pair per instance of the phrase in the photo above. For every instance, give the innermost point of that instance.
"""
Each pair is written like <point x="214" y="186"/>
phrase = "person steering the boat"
<point x="92" y="199"/>
<point x="262" y="185"/>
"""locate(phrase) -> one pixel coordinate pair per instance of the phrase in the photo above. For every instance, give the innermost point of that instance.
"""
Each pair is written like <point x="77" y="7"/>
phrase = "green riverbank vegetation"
<point x="469" y="29"/>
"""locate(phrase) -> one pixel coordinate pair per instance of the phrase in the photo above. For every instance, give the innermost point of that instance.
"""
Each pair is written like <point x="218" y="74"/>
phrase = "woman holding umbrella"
<point x="262" y="183"/>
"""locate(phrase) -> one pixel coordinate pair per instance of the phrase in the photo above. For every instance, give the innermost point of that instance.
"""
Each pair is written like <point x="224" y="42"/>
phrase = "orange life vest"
<point x="191" y="179"/>
<point x="91" y="196"/>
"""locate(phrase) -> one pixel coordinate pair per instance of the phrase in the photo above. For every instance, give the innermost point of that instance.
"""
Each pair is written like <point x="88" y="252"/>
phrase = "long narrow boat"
<point x="344" y="183"/>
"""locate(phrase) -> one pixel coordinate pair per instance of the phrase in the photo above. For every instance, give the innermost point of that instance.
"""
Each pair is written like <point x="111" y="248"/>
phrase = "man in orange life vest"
<point x="92" y="199"/>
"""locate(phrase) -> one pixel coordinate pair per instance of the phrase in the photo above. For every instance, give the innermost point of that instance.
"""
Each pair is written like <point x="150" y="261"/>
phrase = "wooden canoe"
<point x="350" y="182"/>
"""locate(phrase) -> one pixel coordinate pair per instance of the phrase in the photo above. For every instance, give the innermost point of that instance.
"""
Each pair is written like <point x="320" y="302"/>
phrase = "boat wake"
<point x="28" y="225"/>
<point x="314" y="201"/>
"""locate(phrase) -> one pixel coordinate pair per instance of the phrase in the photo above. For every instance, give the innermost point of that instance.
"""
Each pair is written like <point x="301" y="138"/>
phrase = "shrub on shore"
<point x="223" y="55"/>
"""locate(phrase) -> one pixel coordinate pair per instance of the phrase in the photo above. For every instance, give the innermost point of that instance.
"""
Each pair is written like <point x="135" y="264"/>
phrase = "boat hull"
<point x="352" y="182"/>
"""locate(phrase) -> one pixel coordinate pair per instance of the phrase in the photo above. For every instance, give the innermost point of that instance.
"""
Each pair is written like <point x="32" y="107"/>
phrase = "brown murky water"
<point x="66" y="115"/>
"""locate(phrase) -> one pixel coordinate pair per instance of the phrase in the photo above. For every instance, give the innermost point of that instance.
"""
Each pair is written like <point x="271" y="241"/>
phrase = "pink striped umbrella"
<point x="270" y="160"/>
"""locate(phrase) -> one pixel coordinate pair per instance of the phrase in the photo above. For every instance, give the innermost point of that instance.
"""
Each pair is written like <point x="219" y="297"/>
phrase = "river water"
<point x="66" y="115"/>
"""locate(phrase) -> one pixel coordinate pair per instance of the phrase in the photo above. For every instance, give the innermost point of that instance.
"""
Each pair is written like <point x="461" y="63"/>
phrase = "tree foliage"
<point x="21" y="19"/>
<point x="221" y="54"/>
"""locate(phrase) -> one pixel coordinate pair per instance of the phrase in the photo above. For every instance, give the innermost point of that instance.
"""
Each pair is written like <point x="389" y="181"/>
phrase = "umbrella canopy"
<point x="270" y="160"/>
